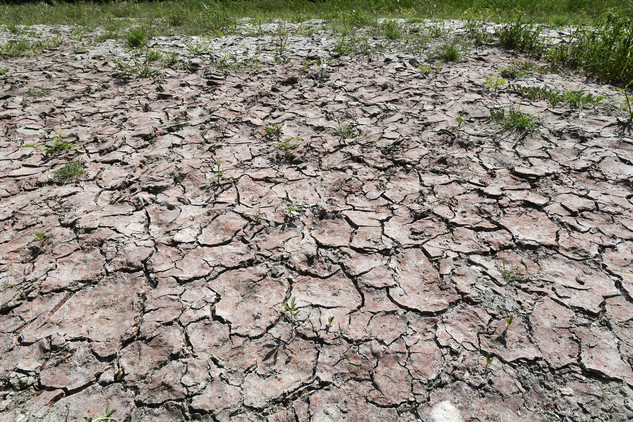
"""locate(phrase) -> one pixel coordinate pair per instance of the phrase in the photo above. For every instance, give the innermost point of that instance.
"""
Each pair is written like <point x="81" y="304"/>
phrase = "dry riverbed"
<point x="443" y="268"/>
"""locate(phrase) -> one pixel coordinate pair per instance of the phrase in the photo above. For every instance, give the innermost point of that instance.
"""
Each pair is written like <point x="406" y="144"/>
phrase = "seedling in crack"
<point x="274" y="129"/>
<point x="287" y="146"/>
<point x="489" y="360"/>
<point x="290" y="311"/>
<point x="106" y="417"/>
<point x="343" y="130"/>
<point x="220" y="175"/>
<point x="494" y="83"/>
<point x="510" y="274"/>
<point x="40" y="237"/>
<point x="57" y="146"/>
<point x="293" y="211"/>
<point x="69" y="172"/>
<point x="628" y="101"/>
<point x="460" y="122"/>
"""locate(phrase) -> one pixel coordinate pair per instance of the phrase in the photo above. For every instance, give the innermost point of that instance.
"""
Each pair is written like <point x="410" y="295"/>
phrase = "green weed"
<point x="511" y="274"/>
<point x="35" y="93"/>
<point x="106" y="417"/>
<point x="69" y="172"/>
<point x="514" y="119"/>
<point x="274" y="129"/>
<point x="138" y="68"/>
<point x="199" y="47"/>
<point x="449" y="52"/>
<point x="520" y="36"/>
<point x="343" y="130"/>
<point x="427" y="69"/>
<point x="628" y="103"/>
<point x="494" y="83"/>
<point x="153" y="55"/>
<point x="391" y="29"/>
<point x="281" y="44"/>
<point x="293" y="211"/>
<point x="287" y="147"/>
<point x="219" y="175"/>
<point x="290" y="311"/>
<point x="511" y="72"/>
<point x="55" y="147"/>
<point x="137" y="37"/>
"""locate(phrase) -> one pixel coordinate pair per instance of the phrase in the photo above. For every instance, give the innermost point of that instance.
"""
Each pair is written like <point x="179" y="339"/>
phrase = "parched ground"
<point x="156" y="283"/>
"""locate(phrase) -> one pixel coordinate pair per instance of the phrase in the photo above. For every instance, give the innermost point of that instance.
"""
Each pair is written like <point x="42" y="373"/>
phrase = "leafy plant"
<point x="137" y="37"/>
<point x="628" y="102"/>
<point x="288" y="145"/>
<point x="35" y="93"/>
<point x="489" y="360"/>
<point x="106" y="417"/>
<point x="69" y="172"/>
<point x="274" y="129"/>
<point x="57" y="146"/>
<point x="153" y="55"/>
<point x="514" y="119"/>
<point x="220" y="175"/>
<point x="343" y="130"/>
<point x="521" y="36"/>
<point x="290" y="311"/>
<point x="199" y="47"/>
<point x="427" y="69"/>
<point x="281" y="44"/>
<point x="460" y="122"/>
<point x="510" y="274"/>
<point x="449" y="52"/>
<point x="391" y="29"/>
<point x="494" y="83"/>
<point x="138" y="68"/>
<point x="511" y="72"/>
<point x="293" y="211"/>
<point x="40" y="237"/>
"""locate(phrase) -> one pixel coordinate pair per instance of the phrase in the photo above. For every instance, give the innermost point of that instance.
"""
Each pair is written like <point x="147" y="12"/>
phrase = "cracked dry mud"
<point x="157" y="289"/>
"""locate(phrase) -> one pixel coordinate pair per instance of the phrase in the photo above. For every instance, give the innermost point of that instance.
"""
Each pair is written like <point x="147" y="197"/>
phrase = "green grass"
<point x="69" y="172"/>
<point x="199" y="16"/>
<point x="514" y="119"/>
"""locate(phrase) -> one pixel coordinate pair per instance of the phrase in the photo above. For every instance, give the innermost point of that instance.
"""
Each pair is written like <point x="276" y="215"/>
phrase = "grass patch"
<point x="69" y="172"/>
<point x="514" y="119"/>
<point x="450" y="52"/>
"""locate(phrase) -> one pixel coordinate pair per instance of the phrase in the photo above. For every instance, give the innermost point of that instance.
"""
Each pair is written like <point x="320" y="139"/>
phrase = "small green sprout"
<point x="489" y="360"/>
<point x="219" y="175"/>
<point x="106" y="417"/>
<point x="510" y="274"/>
<point x="57" y="146"/>
<point x="293" y="211"/>
<point x="274" y="129"/>
<point x="329" y="321"/>
<point x="494" y="83"/>
<point x="628" y="101"/>
<point x="427" y="69"/>
<point x="290" y="311"/>
<point x="460" y="122"/>
<point x="508" y="323"/>
<point x="40" y="237"/>
<point x="288" y="145"/>
<point x="343" y="130"/>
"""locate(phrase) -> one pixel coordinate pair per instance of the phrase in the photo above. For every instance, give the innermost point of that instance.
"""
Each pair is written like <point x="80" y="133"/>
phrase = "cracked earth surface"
<point x="158" y="287"/>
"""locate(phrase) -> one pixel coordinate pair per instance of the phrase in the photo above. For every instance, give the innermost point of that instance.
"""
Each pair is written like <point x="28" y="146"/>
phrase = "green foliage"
<point x="628" y="102"/>
<point x="292" y="211"/>
<point x="494" y="83"/>
<point x="449" y="52"/>
<point x="391" y="29"/>
<point x="59" y="145"/>
<point x="427" y="69"/>
<point x="287" y="146"/>
<point x="603" y="52"/>
<point x="106" y="417"/>
<point x="24" y="47"/>
<point x="220" y="176"/>
<point x="510" y="274"/>
<point x="514" y="119"/>
<point x="343" y="130"/>
<point x="69" y="172"/>
<point x="290" y="311"/>
<point x="520" y="36"/>
<point x="137" y="37"/>
<point x="274" y="129"/>
<point x="138" y="68"/>
<point x="153" y="55"/>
